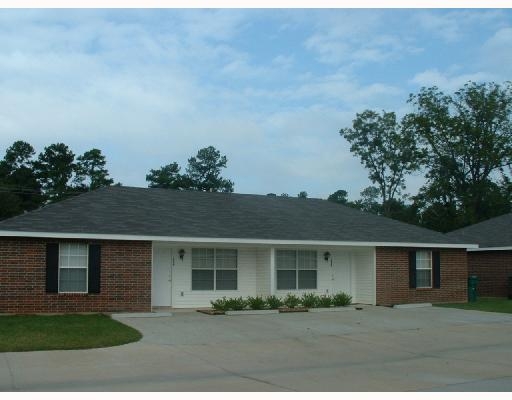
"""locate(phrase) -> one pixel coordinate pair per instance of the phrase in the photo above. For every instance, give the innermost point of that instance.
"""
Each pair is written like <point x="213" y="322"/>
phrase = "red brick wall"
<point x="493" y="269"/>
<point x="125" y="279"/>
<point x="393" y="278"/>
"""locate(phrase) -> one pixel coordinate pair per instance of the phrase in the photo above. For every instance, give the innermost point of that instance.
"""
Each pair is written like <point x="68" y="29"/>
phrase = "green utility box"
<point x="472" y="284"/>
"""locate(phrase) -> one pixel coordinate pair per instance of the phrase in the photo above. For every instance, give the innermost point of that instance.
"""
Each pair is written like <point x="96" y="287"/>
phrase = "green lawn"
<point x="62" y="332"/>
<point x="492" y="304"/>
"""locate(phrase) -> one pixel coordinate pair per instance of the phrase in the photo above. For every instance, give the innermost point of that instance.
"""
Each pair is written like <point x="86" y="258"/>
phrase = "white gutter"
<point x="492" y="248"/>
<point x="104" y="236"/>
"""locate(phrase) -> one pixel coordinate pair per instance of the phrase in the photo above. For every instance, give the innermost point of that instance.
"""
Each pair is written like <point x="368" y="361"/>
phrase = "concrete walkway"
<point x="377" y="349"/>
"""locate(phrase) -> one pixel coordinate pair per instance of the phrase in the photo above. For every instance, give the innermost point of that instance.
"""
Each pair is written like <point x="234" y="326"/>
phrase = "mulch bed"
<point x="291" y="310"/>
<point x="211" y="312"/>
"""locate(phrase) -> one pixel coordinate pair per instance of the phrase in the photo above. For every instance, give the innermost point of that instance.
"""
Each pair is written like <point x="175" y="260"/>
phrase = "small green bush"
<point x="324" y="301"/>
<point x="291" y="301"/>
<point x="309" y="300"/>
<point x="256" y="303"/>
<point x="341" y="299"/>
<point x="274" y="302"/>
<point x="236" y="303"/>
<point x="220" y="304"/>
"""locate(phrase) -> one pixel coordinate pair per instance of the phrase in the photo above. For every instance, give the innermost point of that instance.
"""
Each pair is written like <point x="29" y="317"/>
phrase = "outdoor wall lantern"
<point x="181" y="253"/>
<point x="327" y="255"/>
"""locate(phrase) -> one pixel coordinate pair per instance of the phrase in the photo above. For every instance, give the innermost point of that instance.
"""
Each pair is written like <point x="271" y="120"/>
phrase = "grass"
<point x="62" y="332"/>
<point x="491" y="304"/>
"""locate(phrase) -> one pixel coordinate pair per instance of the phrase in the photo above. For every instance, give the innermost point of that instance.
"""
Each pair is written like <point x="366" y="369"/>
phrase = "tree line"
<point x="27" y="182"/>
<point x="461" y="143"/>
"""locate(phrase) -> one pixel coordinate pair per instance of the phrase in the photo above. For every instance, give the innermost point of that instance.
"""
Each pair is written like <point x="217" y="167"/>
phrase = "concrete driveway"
<point x="376" y="349"/>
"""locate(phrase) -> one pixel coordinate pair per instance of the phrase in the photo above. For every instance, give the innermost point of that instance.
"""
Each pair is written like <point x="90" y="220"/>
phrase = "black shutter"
<point x="94" y="268"/>
<point x="52" y="267"/>
<point x="436" y="265"/>
<point x="412" y="269"/>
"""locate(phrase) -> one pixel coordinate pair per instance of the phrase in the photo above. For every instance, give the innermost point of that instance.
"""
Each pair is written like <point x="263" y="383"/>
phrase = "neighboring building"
<point x="492" y="261"/>
<point x="132" y="249"/>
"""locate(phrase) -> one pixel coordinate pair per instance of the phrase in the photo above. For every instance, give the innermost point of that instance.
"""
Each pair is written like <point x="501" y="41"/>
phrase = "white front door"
<point x="161" y="291"/>
<point x="341" y="279"/>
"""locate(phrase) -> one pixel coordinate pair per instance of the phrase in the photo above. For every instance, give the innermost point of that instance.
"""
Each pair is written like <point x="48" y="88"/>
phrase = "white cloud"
<point x="454" y="25"/>
<point x="354" y="38"/>
<point x="496" y="53"/>
<point x="447" y="80"/>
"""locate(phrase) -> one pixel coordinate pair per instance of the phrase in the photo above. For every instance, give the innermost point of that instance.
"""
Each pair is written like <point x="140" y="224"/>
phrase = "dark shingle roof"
<point x="494" y="232"/>
<point x="166" y="212"/>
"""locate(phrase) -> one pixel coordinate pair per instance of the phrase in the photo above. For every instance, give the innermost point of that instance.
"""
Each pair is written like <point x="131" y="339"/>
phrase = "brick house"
<point x="492" y="261"/>
<point x="133" y="249"/>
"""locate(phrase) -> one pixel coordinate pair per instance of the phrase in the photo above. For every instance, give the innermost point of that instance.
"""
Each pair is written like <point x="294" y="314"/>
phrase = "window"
<point x="73" y="261"/>
<point x="296" y="269"/>
<point x="214" y="269"/>
<point x="423" y="269"/>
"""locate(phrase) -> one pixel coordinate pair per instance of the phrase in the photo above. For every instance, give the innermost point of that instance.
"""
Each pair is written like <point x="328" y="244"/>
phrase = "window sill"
<point x="72" y="294"/>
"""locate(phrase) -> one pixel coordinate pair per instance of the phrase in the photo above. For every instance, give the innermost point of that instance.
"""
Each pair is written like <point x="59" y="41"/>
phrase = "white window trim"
<point x="68" y="267"/>
<point x="214" y="271"/>
<point x="431" y="269"/>
<point x="297" y="269"/>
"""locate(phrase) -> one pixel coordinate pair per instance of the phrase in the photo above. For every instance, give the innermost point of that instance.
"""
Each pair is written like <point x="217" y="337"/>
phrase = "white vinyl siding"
<point x="184" y="297"/>
<point x="355" y="274"/>
<point x="73" y="267"/>
<point x="423" y="269"/>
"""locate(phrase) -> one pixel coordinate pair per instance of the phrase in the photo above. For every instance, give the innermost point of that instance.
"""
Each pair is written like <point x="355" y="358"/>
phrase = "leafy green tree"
<point x="203" y="173"/>
<point x="204" y="170"/>
<point x="369" y="200"/>
<point x="387" y="151"/>
<point x="284" y="195"/>
<point x="303" y="195"/>
<point x="90" y="171"/>
<point x="54" y="168"/>
<point x="168" y="177"/>
<point x="468" y="137"/>
<point x="339" y="196"/>
<point x="19" y="189"/>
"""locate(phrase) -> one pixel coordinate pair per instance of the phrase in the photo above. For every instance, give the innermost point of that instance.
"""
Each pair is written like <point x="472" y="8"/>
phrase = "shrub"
<point x="291" y="301"/>
<point x="256" y="303"/>
<point x="220" y="304"/>
<point x="341" y="299"/>
<point x="324" y="301"/>
<point x="236" y="303"/>
<point x="274" y="302"/>
<point x="309" y="300"/>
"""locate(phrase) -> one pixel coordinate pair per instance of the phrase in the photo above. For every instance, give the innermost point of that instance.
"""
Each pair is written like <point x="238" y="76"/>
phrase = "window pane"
<point x="286" y="280"/>
<point x="423" y="278"/>
<point x="202" y="279"/>
<point x="307" y="259"/>
<point x="226" y="259"/>
<point x="286" y="259"/>
<point x="202" y="258"/>
<point x="64" y="249"/>
<point x="77" y="261"/>
<point x="307" y="279"/>
<point x="226" y="279"/>
<point x="73" y="280"/>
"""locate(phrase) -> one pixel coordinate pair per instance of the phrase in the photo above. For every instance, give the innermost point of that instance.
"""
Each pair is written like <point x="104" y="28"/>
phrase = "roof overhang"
<point x="503" y="248"/>
<point x="276" y="242"/>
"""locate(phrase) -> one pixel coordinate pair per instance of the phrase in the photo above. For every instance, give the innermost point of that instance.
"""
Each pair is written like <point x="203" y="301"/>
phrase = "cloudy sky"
<point x="269" y="88"/>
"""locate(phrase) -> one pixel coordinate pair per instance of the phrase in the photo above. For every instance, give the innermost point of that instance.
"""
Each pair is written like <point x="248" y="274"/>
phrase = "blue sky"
<point x="269" y="88"/>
